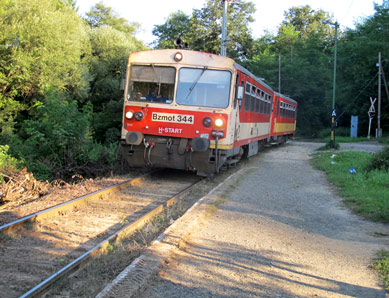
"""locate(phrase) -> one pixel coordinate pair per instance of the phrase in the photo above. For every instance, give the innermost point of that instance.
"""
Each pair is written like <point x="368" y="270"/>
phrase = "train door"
<point x="275" y="113"/>
<point x="237" y="108"/>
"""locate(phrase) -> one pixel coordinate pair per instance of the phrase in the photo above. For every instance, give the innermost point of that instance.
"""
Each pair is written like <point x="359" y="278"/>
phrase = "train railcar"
<point x="197" y="111"/>
<point x="283" y="125"/>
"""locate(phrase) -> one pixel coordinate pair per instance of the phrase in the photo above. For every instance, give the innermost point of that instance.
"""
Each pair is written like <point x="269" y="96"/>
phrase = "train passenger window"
<point x="247" y="97"/>
<point x="262" y="108"/>
<point x="151" y="83"/>
<point x="253" y="91"/>
<point x="203" y="87"/>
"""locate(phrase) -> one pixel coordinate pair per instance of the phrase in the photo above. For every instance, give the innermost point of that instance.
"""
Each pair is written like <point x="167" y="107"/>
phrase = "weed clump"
<point x="379" y="161"/>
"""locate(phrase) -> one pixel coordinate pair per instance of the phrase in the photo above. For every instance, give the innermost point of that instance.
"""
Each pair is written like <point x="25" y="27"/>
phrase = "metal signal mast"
<point x="223" y="50"/>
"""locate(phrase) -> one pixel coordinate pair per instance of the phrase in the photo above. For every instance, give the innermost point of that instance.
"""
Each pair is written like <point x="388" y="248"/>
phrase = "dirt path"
<point x="282" y="232"/>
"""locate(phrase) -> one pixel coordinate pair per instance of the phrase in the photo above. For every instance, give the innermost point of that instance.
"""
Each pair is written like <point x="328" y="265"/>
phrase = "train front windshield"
<point x="203" y="87"/>
<point x="150" y="83"/>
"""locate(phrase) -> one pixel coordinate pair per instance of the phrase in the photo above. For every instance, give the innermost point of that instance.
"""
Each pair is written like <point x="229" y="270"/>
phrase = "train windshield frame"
<point x="203" y="87"/>
<point x="151" y="83"/>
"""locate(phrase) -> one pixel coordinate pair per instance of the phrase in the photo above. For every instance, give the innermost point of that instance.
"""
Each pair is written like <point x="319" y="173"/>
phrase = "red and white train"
<point x="198" y="111"/>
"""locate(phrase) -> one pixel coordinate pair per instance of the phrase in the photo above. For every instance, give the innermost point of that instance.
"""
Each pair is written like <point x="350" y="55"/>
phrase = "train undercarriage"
<point x="189" y="154"/>
<point x="180" y="153"/>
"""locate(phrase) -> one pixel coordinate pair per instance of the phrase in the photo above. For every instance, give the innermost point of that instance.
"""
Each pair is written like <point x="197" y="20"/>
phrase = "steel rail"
<point x="117" y="236"/>
<point x="70" y="204"/>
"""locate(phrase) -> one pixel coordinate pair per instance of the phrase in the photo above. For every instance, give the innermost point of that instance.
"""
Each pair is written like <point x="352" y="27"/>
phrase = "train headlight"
<point x="219" y="122"/>
<point x="139" y="115"/>
<point x="129" y="115"/>
<point x="207" y="122"/>
<point x="178" y="56"/>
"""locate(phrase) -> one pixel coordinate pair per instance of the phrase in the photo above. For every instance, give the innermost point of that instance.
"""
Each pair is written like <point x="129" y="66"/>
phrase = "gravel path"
<point x="282" y="232"/>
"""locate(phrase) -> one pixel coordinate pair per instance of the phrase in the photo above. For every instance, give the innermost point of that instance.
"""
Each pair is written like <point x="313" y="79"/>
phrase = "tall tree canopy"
<point x="176" y="26"/>
<point x="41" y="45"/>
<point x="111" y="40"/>
<point x="204" y="28"/>
<point x="100" y="15"/>
<point x="303" y="43"/>
<point x="358" y="57"/>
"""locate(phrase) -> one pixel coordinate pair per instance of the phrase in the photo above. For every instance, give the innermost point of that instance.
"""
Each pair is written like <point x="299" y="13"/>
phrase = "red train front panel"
<point x="180" y="123"/>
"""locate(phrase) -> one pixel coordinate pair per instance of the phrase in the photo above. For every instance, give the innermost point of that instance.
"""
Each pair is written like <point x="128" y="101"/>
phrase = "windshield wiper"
<point x="195" y="82"/>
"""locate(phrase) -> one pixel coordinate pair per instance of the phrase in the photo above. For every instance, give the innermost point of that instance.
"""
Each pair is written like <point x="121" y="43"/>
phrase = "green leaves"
<point x="202" y="30"/>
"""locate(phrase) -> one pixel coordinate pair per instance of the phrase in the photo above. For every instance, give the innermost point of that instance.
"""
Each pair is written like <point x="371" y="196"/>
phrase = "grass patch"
<point x="327" y="146"/>
<point x="381" y="266"/>
<point x="366" y="193"/>
<point x="343" y="139"/>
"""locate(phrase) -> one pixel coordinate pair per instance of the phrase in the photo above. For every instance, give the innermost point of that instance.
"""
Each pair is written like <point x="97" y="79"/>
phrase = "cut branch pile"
<point x="20" y="187"/>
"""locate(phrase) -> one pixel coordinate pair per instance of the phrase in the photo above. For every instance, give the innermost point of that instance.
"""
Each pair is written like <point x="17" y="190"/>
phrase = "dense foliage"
<point x="202" y="30"/>
<point x="60" y="73"/>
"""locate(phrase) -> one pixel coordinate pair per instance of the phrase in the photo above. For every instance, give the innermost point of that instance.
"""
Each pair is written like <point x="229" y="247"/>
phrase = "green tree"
<point x="41" y="45"/>
<point x="357" y="71"/>
<point x="100" y="15"/>
<point x="111" y="42"/>
<point x="305" y="65"/>
<point x="306" y="20"/>
<point x="176" y="26"/>
<point x="57" y="139"/>
<point x="202" y="30"/>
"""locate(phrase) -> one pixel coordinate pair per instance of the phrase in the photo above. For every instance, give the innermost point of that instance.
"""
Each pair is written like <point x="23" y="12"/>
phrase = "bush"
<point x="57" y="143"/>
<point x="379" y="161"/>
<point x="7" y="162"/>
<point x="54" y="143"/>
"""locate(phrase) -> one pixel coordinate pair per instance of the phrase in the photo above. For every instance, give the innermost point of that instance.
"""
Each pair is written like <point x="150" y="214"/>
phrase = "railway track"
<point x="39" y="249"/>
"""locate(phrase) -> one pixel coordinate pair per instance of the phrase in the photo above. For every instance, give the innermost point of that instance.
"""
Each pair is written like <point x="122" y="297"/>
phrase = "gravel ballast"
<point x="277" y="229"/>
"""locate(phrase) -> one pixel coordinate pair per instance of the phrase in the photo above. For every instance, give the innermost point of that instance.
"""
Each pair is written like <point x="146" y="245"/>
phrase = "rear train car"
<point x="197" y="111"/>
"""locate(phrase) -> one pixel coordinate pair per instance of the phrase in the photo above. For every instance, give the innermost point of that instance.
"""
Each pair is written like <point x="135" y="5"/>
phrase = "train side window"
<point x="257" y="100"/>
<point x="262" y="106"/>
<point x="241" y="102"/>
<point x="281" y="109"/>
<point x="247" y="97"/>
<point x="269" y="104"/>
<point x="253" y="91"/>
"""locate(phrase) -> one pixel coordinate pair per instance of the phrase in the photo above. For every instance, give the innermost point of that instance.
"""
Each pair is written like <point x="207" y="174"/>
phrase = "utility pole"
<point x="379" y="130"/>
<point x="279" y="73"/>
<point x="223" y="50"/>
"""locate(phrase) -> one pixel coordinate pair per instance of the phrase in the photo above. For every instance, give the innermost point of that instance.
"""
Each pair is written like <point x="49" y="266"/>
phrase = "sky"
<point x="268" y="16"/>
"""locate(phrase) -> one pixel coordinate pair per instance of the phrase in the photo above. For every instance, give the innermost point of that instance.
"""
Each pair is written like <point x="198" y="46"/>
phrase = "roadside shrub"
<point x="57" y="142"/>
<point x="7" y="162"/>
<point x="54" y="142"/>
<point x="379" y="161"/>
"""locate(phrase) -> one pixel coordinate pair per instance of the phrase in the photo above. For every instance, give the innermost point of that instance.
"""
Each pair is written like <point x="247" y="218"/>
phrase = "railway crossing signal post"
<point x="371" y="114"/>
<point x="332" y="142"/>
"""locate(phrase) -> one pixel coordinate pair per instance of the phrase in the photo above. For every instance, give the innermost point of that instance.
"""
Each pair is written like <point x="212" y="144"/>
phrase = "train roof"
<point x="189" y="57"/>
<point x="286" y="97"/>
<point x="260" y="80"/>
